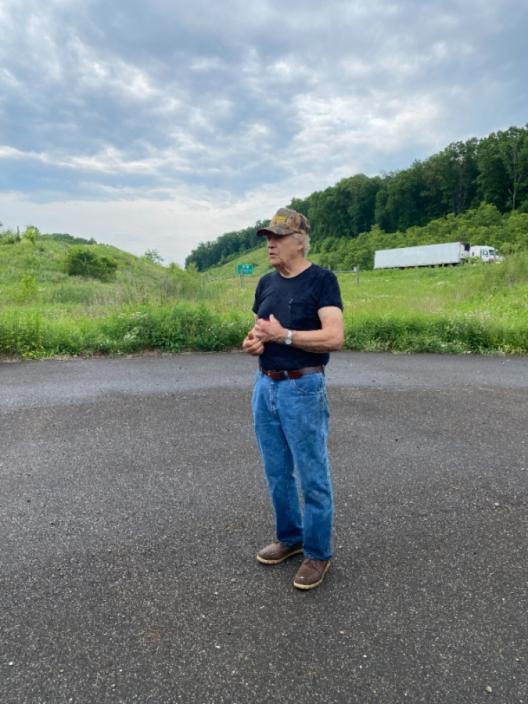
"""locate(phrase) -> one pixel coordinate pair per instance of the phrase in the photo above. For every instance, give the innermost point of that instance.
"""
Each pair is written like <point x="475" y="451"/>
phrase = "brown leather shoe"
<point x="311" y="573"/>
<point x="277" y="552"/>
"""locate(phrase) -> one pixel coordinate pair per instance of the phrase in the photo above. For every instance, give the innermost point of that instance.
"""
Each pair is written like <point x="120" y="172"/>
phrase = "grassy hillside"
<point x="35" y="275"/>
<point x="44" y="311"/>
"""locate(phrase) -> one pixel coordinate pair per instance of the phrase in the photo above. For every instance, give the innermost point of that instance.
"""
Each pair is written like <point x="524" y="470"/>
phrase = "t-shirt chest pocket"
<point x="302" y="313"/>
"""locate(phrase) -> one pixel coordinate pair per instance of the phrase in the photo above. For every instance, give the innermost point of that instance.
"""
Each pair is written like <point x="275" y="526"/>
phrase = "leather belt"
<point x="281" y="374"/>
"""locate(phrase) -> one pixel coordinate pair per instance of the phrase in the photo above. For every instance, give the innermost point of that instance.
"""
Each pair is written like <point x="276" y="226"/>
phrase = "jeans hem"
<point x="289" y="543"/>
<point x="311" y="557"/>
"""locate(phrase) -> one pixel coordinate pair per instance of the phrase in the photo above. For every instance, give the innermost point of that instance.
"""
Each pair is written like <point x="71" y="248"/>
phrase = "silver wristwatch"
<point x="289" y="338"/>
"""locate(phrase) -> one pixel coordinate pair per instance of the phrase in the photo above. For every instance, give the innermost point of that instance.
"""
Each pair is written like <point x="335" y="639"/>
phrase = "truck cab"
<point x="485" y="253"/>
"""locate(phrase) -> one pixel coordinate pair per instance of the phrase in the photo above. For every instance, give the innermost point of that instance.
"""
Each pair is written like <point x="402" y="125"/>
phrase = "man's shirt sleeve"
<point x="256" y="303"/>
<point x="330" y="295"/>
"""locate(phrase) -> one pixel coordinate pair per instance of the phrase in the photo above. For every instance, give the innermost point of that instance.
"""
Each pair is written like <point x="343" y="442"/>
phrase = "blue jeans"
<point x="291" y="423"/>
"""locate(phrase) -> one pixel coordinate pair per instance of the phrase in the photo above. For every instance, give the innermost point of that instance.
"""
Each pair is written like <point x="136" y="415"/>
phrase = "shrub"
<point x="83" y="261"/>
<point x="27" y="289"/>
<point x="9" y="238"/>
<point x="31" y="234"/>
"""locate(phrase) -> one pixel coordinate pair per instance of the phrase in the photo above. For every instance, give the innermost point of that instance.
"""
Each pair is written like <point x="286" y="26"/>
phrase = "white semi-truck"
<point x="424" y="255"/>
<point x="448" y="253"/>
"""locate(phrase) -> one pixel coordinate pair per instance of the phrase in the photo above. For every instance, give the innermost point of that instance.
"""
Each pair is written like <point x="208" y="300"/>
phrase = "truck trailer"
<point x="449" y="253"/>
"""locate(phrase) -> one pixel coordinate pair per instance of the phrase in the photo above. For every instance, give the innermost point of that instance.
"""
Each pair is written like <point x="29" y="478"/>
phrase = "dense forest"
<point x="462" y="177"/>
<point x="508" y="232"/>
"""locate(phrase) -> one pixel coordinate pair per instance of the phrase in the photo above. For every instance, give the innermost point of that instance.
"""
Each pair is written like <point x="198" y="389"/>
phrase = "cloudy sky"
<point x="162" y="123"/>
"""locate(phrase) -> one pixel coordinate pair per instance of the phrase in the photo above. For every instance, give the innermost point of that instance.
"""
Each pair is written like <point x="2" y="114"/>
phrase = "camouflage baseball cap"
<point x="286" y="222"/>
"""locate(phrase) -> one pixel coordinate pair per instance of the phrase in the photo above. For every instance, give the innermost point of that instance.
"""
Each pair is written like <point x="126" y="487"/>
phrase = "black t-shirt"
<point x="295" y="303"/>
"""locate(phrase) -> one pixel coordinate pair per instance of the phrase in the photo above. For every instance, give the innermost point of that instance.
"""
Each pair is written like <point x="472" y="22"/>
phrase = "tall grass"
<point x="420" y="333"/>
<point x="44" y="312"/>
<point x="173" y="328"/>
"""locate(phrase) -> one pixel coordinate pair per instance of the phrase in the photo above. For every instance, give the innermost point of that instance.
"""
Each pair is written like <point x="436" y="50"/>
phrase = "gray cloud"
<point x="235" y="99"/>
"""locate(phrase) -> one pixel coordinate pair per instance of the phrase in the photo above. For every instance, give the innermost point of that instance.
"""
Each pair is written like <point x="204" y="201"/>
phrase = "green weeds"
<point x="173" y="328"/>
<point x="416" y="333"/>
<point x="45" y="312"/>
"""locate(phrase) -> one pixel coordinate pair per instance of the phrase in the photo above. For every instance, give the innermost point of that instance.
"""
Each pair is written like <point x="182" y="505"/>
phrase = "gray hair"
<point x="304" y="238"/>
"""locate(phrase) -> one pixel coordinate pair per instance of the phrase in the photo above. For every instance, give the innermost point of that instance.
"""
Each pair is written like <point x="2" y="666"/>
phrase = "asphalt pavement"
<point x="132" y="504"/>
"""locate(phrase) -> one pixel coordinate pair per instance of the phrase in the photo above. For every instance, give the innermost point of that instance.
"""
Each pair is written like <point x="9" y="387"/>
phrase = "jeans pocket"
<point x="308" y="384"/>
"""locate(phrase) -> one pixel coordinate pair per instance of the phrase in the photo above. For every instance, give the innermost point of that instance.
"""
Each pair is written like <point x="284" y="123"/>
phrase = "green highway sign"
<point x="244" y="269"/>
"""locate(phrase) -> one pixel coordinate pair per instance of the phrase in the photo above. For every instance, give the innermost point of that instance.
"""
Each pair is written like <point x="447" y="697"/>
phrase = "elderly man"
<point x="299" y="321"/>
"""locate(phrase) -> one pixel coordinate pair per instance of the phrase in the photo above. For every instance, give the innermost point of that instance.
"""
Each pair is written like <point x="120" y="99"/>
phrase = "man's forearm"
<point x="319" y="341"/>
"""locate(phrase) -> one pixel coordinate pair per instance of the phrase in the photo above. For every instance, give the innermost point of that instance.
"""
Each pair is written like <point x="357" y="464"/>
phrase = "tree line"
<point x="225" y="247"/>
<point x="464" y="175"/>
<point x="32" y="234"/>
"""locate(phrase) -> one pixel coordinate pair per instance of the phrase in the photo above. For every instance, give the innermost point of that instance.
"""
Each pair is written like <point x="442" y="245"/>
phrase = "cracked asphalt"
<point x="132" y="503"/>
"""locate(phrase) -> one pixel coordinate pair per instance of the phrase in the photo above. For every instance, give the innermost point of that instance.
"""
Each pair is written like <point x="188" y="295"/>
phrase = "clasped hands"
<point x="263" y="331"/>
